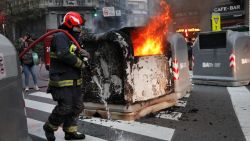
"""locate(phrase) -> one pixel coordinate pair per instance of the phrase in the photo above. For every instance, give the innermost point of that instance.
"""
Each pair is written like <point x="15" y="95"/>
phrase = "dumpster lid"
<point x="213" y="40"/>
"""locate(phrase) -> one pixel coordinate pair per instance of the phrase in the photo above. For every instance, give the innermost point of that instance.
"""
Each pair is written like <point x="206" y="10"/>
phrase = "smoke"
<point x="104" y="24"/>
<point x="196" y="12"/>
<point x="185" y="12"/>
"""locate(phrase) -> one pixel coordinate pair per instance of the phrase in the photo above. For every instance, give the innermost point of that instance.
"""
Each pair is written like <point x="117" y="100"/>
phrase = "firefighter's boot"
<point x="49" y="132"/>
<point x="74" y="136"/>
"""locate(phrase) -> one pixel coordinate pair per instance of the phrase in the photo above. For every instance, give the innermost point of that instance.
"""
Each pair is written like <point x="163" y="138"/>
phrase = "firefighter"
<point x="65" y="79"/>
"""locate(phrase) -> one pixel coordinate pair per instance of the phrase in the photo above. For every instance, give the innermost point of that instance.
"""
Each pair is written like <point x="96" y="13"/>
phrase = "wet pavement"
<point x="209" y="113"/>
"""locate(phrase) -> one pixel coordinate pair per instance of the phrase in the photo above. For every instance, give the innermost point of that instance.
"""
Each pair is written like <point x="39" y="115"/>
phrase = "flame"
<point x="150" y="40"/>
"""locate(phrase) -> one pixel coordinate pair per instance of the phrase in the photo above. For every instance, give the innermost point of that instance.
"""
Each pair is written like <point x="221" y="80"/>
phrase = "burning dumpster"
<point x="222" y="58"/>
<point x="130" y="83"/>
<point x="137" y="70"/>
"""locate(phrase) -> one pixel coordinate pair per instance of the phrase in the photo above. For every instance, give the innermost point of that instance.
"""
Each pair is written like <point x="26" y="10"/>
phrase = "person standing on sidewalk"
<point x="27" y="63"/>
<point x="65" y="79"/>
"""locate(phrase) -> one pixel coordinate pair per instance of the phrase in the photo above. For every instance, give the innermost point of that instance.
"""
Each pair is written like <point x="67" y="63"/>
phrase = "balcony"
<point x="68" y="3"/>
<point x="25" y="6"/>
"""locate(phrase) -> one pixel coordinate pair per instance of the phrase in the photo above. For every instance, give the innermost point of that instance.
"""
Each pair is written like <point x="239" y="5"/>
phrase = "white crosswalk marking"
<point x="39" y="106"/>
<point x="35" y="128"/>
<point x="181" y="103"/>
<point x="41" y="94"/>
<point x="149" y="130"/>
<point x="170" y="116"/>
<point x="136" y="127"/>
<point x="240" y="97"/>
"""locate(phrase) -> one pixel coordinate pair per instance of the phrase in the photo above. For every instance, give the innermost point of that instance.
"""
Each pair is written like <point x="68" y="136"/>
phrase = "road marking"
<point x="170" y="116"/>
<point x="154" y="131"/>
<point x="35" y="128"/>
<point x="39" y="105"/>
<point x="41" y="94"/>
<point x="181" y="103"/>
<point x="240" y="97"/>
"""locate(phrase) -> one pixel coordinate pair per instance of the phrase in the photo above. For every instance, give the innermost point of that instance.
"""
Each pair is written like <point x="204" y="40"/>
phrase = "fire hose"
<point x="33" y="44"/>
<point x="44" y="36"/>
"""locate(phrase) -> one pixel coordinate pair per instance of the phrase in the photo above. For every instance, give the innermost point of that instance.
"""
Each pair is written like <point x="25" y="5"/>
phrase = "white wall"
<point x="51" y="20"/>
<point x="139" y="12"/>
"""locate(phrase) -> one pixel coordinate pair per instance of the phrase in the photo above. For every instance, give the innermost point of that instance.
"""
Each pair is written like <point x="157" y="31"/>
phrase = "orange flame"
<point x="150" y="39"/>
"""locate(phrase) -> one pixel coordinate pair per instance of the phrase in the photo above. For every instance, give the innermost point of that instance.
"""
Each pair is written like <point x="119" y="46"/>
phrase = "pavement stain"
<point x="184" y="118"/>
<point x="194" y="110"/>
<point x="210" y="123"/>
<point x="195" y="120"/>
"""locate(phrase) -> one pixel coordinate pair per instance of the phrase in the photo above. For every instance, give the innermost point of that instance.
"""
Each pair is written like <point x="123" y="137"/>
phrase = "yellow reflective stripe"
<point x="52" y="126"/>
<point x="79" y="82"/>
<point x="78" y="63"/>
<point x="72" y="49"/>
<point x="53" y="55"/>
<point x="70" y="129"/>
<point x="64" y="83"/>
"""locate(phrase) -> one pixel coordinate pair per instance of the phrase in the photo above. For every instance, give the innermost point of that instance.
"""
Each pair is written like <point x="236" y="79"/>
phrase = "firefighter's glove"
<point x="83" y="53"/>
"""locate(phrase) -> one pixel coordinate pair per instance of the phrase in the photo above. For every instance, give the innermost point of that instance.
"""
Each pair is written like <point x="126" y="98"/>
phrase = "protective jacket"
<point x="65" y="80"/>
<point x="65" y="64"/>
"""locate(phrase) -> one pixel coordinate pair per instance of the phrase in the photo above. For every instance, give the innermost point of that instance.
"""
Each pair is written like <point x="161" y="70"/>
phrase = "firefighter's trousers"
<point x="69" y="106"/>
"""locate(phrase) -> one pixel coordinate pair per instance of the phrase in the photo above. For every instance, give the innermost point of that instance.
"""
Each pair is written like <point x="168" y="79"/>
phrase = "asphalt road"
<point x="209" y="113"/>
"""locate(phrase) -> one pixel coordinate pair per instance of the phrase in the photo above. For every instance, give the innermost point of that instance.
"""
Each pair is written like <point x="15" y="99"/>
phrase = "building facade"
<point x="233" y="12"/>
<point x="193" y="16"/>
<point x="111" y="14"/>
<point x="39" y="16"/>
<point x="137" y="12"/>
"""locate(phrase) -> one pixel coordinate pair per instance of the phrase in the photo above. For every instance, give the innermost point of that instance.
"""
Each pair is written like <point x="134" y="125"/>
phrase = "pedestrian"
<point x="27" y="63"/>
<point x="65" y="79"/>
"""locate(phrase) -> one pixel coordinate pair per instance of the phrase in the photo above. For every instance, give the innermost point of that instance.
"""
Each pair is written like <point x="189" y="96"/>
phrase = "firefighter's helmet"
<point x="72" y="19"/>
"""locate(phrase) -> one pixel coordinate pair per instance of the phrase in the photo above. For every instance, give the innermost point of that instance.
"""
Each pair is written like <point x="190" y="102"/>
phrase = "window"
<point x="213" y="41"/>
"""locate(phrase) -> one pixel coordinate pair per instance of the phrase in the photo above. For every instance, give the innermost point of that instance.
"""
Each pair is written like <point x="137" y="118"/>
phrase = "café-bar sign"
<point x="228" y="8"/>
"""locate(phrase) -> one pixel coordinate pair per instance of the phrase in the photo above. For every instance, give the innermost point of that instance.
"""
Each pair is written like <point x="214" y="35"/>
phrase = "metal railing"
<point x="65" y="3"/>
<point x="24" y="5"/>
<point x="29" y="4"/>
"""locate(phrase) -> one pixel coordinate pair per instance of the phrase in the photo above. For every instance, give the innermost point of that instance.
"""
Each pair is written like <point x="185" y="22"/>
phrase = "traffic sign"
<point x="118" y="12"/>
<point x="216" y="22"/>
<point x="108" y="11"/>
